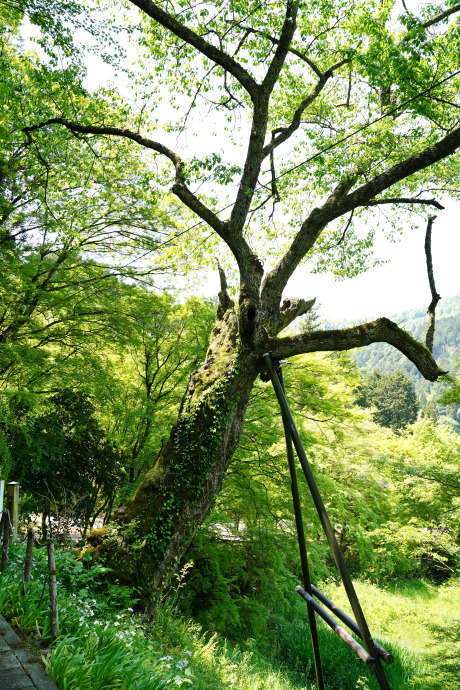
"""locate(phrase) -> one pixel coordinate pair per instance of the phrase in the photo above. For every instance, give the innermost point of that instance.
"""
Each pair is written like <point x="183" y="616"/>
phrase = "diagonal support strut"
<point x="293" y="434"/>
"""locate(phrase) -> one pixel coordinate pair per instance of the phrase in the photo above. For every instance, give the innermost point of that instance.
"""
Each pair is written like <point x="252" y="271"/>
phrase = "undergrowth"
<point x="104" y="644"/>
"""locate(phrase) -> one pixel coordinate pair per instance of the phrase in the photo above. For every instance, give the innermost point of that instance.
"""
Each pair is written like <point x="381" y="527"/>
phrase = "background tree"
<point x="62" y="458"/>
<point x="70" y="228"/>
<point x="151" y="359"/>
<point x="393" y="396"/>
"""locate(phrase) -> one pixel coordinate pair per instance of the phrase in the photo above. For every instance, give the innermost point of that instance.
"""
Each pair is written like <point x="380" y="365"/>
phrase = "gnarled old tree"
<point x="343" y="109"/>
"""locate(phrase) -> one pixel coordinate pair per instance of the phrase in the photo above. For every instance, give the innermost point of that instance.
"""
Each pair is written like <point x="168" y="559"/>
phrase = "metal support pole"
<point x="53" y="591"/>
<point x="327" y="527"/>
<point x="302" y="547"/>
<point x="349" y="622"/>
<point x="348" y="639"/>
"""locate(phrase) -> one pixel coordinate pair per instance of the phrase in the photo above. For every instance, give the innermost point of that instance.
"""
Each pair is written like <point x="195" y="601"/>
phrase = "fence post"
<point x="12" y="503"/>
<point x="6" y="538"/>
<point x="28" y="561"/>
<point x="2" y="493"/>
<point x="53" y="590"/>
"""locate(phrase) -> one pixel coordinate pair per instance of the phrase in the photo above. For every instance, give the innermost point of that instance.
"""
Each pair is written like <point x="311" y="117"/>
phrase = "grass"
<point x="105" y="646"/>
<point x="420" y="623"/>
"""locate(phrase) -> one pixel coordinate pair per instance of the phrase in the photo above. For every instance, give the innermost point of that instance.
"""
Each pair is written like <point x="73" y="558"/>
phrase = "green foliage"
<point x="239" y="580"/>
<point x="447" y="334"/>
<point x="149" y="364"/>
<point x="103" y="643"/>
<point x="45" y="454"/>
<point x="393" y="397"/>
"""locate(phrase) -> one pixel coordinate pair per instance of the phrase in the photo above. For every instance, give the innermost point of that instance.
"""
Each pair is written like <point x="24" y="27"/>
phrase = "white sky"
<point x="399" y="285"/>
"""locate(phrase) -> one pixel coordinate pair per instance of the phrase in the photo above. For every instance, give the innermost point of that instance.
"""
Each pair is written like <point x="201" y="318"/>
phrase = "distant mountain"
<point x="446" y="352"/>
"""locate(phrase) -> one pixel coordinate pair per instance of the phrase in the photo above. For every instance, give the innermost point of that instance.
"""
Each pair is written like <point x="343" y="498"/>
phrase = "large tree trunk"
<point x="155" y="528"/>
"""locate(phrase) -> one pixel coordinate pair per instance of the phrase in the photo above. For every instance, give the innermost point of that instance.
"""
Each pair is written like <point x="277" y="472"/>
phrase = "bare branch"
<point x="435" y="297"/>
<point x="403" y="200"/>
<point x="381" y="331"/>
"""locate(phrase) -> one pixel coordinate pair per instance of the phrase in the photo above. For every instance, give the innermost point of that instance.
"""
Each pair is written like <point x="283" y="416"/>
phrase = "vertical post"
<point x="302" y="545"/>
<point x="53" y="590"/>
<point x="12" y="504"/>
<point x="6" y="538"/>
<point x="2" y="493"/>
<point x="28" y="561"/>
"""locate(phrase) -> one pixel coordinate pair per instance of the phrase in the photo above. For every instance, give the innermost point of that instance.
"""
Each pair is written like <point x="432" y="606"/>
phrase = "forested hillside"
<point x="387" y="359"/>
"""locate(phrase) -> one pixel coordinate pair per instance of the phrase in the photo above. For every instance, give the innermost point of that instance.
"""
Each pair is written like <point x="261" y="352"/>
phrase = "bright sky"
<point x="399" y="285"/>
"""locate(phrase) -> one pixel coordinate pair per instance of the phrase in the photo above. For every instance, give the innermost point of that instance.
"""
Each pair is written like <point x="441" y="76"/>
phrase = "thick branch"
<point x="285" y="133"/>
<point x="381" y="331"/>
<point x="215" y="54"/>
<point x="255" y="154"/>
<point x="442" y="15"/>
<point x="435" y="297"/>
<point x="112" y="131"/>
<point x="419" y="161"/>
<point x="340" y="203"/>
<point x="405" y="200"/>
<point x="284" y="41"/>
<point x="294" y="51"/>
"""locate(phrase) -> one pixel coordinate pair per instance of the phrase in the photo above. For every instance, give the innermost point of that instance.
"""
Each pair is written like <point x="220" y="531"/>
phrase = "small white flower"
<point x="116" y="623"/>
<point x="178" y="679"/>
<point x="166" y="658"/>
<point x="187" y="651"/>
<point x="130" y="610"/>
